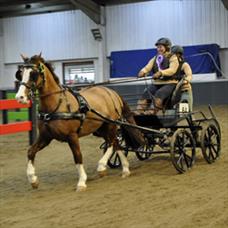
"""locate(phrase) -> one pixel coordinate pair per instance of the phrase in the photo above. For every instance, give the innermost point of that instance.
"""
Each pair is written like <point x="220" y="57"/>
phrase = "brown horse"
<point x="66" y="117"/>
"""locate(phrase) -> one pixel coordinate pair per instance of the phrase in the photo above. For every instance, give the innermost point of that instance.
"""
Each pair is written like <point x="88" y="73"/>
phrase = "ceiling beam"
<point x="35" y="10"/>
<point x="19" y="2"/>
<point x="90" y="8"/>
<point x="225" y="2"/>
<point x="33" y="5"/>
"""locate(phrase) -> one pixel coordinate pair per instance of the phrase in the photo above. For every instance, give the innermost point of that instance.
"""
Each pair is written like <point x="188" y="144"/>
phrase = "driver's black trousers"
<point x="162" y="91"/>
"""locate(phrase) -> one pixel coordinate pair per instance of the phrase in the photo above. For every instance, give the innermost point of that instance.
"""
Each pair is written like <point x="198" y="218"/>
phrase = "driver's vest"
<point x="165" y="65"/>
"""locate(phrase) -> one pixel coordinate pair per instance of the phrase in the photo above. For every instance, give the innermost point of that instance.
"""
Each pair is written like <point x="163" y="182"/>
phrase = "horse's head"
<point x="30" y="76"/>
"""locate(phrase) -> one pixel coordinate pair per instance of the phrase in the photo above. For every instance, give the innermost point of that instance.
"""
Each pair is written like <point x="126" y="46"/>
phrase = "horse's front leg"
<point x="75" y="148"/>
<point x="40" y="143"/>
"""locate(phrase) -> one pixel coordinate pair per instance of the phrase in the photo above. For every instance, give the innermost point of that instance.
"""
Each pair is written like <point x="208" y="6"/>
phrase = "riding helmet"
<point x="164" y="41"/>
<point x="177" y="49"/>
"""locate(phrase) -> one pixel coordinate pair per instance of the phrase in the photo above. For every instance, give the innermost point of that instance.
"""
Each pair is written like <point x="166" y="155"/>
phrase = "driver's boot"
<point x="141" y="107"/>
<point x="157" y="106"/>
<point x="158" y="103"/>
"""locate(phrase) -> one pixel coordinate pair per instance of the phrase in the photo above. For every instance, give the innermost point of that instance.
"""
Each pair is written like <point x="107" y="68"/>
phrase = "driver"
<point x="163" y="67"/>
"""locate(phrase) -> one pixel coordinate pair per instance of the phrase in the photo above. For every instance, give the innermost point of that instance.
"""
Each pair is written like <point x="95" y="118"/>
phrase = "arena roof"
<point x="11" y="8"/>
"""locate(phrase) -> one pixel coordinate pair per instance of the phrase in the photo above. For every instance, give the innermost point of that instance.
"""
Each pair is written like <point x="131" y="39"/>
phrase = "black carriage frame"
<point x="168" y="134"/>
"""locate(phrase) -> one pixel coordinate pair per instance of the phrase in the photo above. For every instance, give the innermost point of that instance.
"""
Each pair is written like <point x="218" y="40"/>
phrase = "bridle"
<point x="37" y="71"/>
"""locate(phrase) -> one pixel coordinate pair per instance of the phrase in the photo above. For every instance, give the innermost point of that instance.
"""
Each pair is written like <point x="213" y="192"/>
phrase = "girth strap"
<point x="61" y="116"/>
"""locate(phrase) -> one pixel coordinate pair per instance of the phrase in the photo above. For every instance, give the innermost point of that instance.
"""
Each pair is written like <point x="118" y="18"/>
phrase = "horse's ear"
<point x="24" y="57"/>
<point x="40" y="54"/>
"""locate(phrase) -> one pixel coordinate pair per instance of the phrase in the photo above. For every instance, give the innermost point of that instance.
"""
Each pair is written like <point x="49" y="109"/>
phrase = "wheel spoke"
<point x="180" y="161"/>
<point x="185" y="140"/>
<point x="188" y="160"/>
<point x="211" y="132"/>
<point x="211" y="154"/>
<point x="214" y="149"/>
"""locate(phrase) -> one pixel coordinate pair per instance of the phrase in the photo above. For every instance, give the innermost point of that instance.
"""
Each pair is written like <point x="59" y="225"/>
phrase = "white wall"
<point x="59" y="36"/>
<point x="185" y="22"/>
<point x="224" y="61"/>
<point x="67" y="36"/>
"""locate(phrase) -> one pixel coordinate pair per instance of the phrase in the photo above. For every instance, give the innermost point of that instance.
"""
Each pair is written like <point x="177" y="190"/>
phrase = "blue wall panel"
<point x="202" y="59"/>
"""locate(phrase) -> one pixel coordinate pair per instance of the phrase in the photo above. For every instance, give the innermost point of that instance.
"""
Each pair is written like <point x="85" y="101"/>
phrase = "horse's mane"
<point x="37" y="58"/>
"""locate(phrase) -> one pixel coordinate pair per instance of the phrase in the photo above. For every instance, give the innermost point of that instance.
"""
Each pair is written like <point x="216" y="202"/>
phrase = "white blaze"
<point x="21" y="96"/>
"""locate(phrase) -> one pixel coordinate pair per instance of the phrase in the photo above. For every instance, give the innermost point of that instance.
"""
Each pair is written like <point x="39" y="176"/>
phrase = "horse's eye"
<point x="34" y="76"/>
<point x="18" y="75"/>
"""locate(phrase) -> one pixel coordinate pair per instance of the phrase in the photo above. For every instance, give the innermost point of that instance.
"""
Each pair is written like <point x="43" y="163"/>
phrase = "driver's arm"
<point x="173" y="66"/>
<point x="145" y="70"/>
<point x="187" y="71"/>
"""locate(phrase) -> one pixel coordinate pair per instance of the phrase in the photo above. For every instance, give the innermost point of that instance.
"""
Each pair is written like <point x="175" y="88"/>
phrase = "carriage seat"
<point x="174" y="101"/>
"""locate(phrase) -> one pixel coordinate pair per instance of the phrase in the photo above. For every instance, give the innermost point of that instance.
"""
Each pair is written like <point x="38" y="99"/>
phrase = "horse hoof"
<point x="102" y="173"/>
<point x="126" y="174"/>
<point x="35" y="184"/>
<point x="81" y="188"/>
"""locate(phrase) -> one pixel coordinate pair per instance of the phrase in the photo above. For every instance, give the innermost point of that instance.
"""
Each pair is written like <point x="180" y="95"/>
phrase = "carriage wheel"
<point x="144" y="156"/>
<point x="182" y="150"/>
<point x="210" y="142"/>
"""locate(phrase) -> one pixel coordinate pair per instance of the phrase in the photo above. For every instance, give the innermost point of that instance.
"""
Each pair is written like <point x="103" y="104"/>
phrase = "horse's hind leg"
<point x="40" y="143"/>
<point x="75" y="148"/>
<point x="102" y="164"/>
<point x="111" y="139"/>
<point x="101" y="169"/>
<point x="125" y="164"/>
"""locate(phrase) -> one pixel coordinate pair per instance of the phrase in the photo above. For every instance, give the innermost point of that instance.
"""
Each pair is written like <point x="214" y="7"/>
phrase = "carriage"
<point x="177" y="132"/>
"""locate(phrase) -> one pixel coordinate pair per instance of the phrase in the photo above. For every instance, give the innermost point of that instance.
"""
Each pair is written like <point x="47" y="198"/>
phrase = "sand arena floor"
<point x="153" y="196"/>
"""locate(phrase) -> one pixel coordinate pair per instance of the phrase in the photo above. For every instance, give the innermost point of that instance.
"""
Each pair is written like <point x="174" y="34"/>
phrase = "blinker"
<point x="18" y="75"/>
<point x="34" y="76"/>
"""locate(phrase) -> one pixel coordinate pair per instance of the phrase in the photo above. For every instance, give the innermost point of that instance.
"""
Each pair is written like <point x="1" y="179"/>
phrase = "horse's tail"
<point x="131" y="135"/>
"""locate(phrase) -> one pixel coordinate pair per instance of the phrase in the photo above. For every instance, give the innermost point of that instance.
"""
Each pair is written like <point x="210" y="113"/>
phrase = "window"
<point x="78" y="73"/>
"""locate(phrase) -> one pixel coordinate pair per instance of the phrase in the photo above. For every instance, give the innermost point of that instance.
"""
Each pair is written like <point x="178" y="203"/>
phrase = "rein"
<point x="52" y="93"/>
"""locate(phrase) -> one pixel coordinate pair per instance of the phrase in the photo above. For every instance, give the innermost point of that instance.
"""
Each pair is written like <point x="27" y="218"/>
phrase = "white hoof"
<point x="126" y="174"/>
<point x="81" y="188"/>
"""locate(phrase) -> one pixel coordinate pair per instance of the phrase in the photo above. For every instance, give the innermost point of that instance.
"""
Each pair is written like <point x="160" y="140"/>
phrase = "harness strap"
<point x="83" y="107"/>
<point x="80" y="115"/>
<point x="83" y="104"/>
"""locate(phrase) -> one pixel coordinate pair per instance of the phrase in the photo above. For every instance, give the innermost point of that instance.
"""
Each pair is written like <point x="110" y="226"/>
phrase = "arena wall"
<point x="67" y="36"/>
